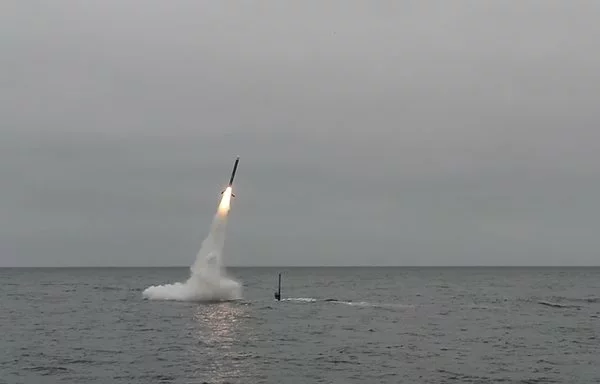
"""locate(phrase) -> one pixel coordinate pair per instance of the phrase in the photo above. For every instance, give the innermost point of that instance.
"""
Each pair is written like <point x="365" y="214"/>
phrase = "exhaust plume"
<point x="208" y="281"/>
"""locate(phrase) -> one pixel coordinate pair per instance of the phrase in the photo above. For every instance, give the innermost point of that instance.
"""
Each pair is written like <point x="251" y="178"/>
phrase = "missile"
<point x="237" y="160"/>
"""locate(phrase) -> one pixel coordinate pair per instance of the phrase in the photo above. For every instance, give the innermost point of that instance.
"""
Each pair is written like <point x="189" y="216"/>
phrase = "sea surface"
<point x="389" y="325"/>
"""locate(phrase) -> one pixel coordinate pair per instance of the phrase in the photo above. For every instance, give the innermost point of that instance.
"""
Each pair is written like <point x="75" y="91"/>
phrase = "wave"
<point x="557" y="305"/>
<point x="300" y="299"/>
<point x="347" y="302"/>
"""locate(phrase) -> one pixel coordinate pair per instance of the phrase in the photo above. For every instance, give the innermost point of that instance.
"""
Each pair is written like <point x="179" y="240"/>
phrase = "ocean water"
<point x="389" y="325"/>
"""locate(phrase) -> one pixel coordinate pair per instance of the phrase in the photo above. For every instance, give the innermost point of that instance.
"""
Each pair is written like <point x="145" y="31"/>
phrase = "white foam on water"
<point x="300" y="299"/>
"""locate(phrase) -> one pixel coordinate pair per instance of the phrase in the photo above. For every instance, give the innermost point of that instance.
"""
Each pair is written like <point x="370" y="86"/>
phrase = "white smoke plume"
<point x="208" y="281"/>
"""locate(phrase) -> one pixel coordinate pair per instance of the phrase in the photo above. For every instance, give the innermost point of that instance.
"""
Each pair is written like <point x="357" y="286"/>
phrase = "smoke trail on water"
<point x="208" y="281"/>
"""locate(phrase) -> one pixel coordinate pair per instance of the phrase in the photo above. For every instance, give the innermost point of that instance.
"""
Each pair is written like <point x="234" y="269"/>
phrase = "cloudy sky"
<point x="370" y="132"/>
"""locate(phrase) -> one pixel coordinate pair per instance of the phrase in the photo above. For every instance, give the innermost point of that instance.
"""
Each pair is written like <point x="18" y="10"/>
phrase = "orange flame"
<point x="225" y="201"/>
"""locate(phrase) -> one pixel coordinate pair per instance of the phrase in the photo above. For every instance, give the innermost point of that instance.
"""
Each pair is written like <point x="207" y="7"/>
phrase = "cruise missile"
<point x="237" y="160"/>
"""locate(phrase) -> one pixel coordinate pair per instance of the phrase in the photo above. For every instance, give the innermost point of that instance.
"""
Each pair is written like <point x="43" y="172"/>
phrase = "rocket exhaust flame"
<point x="225" y="203"/>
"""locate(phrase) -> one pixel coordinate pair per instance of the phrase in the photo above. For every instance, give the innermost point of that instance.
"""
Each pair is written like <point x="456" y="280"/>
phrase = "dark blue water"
<point x="390" y="325"/>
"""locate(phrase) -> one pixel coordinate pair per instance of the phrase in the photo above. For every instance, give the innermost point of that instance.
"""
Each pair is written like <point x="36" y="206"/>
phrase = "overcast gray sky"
<point x="370" y="132"/>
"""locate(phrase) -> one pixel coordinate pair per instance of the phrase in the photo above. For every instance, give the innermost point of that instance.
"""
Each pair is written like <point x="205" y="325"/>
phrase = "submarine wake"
<point x="208" y="280"/>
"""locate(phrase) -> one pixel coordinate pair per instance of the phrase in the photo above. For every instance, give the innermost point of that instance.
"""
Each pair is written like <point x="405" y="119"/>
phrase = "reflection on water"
<point x="219" y="329"/>
<point x="217" y="323"/>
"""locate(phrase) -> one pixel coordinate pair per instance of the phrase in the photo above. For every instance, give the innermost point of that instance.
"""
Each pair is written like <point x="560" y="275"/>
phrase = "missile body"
<point x="237" y="160"/>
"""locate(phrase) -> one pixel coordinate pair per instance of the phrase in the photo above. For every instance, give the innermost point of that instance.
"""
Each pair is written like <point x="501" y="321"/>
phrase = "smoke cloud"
<point x="208" y="280"/>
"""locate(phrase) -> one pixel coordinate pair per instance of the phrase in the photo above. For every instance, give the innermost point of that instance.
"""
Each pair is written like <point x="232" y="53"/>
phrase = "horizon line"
<point x="314" y="266"/>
